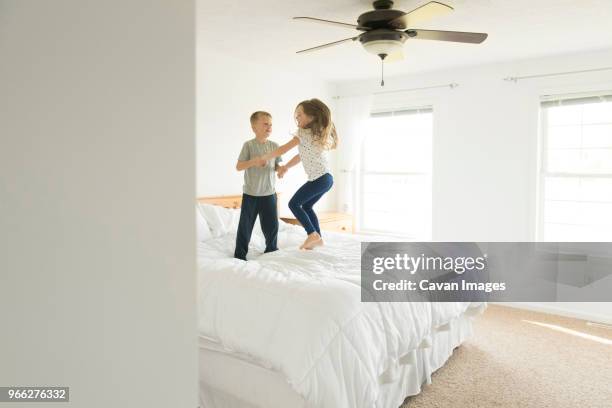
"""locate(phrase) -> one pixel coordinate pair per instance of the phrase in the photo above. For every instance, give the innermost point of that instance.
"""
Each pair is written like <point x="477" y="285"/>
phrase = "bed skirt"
<point x="230" y="381"/>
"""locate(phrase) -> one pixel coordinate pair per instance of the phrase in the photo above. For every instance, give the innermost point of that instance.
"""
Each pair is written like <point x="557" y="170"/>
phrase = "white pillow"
<point x="223" y="221"/>
<point x="220" y="220"/>
<point x="202" y="227"/>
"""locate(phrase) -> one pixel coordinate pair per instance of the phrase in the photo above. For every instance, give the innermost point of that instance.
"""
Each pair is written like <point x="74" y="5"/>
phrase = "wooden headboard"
<point x="231" y="201"/>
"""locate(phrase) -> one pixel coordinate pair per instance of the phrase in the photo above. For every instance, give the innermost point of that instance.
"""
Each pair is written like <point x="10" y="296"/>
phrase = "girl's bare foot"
<point x="310" y="240"/>
<point x="314" y="244"/>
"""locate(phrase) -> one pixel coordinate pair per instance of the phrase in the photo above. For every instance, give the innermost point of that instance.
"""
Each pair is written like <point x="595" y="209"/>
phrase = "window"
<point x="395" y="176"/>
<point x="575" y="198"/>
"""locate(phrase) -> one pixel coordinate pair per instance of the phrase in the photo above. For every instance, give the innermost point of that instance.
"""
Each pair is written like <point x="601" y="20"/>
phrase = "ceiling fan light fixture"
<point x="386" y="47"/>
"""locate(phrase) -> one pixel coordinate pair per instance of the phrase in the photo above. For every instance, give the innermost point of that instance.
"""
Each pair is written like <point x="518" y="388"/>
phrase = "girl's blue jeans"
<point x="302" y="201"/>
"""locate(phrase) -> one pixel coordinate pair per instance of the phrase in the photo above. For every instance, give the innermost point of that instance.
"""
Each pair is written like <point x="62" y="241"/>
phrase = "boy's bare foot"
<point x="312" y="238"/>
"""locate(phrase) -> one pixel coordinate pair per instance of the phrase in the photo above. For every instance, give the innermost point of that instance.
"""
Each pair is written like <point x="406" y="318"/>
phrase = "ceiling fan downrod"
<point x="383" y="4"/>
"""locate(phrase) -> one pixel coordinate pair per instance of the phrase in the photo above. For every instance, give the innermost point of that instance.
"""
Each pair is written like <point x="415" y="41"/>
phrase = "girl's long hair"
<point x="322" y="127"/>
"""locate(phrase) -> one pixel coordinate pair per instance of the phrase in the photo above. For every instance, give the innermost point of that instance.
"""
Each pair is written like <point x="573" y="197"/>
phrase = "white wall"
<point x="485" y="143"/>
<point x="229" y="90"/>
<point x="97" y="183"/>
<point x="485" y="140"/>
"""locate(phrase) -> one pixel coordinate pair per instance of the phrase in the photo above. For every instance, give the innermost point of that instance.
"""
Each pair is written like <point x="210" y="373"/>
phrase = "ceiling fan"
<point x="385" y="30"/>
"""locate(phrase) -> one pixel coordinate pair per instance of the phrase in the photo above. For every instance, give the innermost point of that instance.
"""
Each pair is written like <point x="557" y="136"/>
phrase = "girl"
<point x="316" y="135"/>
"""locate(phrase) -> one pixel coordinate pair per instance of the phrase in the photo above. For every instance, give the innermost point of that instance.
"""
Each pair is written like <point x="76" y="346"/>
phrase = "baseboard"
<point x="560" y="311"/>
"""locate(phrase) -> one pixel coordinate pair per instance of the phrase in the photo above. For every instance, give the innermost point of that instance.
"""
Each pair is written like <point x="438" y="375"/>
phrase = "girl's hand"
<point x="281" y="171"/>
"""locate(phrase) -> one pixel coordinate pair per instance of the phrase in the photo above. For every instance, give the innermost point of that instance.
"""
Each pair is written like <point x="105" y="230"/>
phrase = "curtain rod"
<point x="451" y="86"/>
<point x="517" y="78"/>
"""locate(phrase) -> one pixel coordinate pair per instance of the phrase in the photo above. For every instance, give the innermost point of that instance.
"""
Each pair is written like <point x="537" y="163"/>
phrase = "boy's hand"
<point x="260" y="162"/>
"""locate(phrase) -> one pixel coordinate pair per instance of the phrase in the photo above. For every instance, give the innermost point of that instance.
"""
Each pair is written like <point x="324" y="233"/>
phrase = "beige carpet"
<point x="512" y="363"/>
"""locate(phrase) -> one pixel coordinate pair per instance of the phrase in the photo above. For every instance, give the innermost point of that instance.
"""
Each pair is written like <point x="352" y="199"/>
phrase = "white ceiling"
<point x="262" y="31"/>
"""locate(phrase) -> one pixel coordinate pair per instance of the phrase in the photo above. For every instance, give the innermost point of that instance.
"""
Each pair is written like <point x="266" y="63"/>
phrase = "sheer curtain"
<point x="350" y="116"/>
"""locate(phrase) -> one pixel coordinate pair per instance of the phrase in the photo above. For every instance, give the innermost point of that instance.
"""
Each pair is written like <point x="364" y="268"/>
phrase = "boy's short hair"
<point x="256" y="115"/>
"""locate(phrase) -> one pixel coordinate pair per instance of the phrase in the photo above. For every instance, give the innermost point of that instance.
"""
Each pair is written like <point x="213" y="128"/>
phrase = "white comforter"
<point x="299" y="312"/>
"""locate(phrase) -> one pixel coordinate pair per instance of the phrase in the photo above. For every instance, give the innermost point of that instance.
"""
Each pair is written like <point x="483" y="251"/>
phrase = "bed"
<point x="288" y="329"/>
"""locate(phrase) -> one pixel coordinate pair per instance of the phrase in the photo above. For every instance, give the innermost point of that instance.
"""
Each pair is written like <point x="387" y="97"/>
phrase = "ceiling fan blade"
<point x="420" y="15"/>
<point x="320" y="47"/>
<point x="454" y="36"/>
<point x="329" y="22"/>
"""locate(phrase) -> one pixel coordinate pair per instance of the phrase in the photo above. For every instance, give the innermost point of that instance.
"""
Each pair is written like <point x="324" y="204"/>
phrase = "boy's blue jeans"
<point x="251" y="207"/>
<point x="302" y="201"/>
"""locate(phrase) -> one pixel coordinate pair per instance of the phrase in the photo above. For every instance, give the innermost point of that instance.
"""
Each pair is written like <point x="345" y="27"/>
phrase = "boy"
<point x="259" y="192"/>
